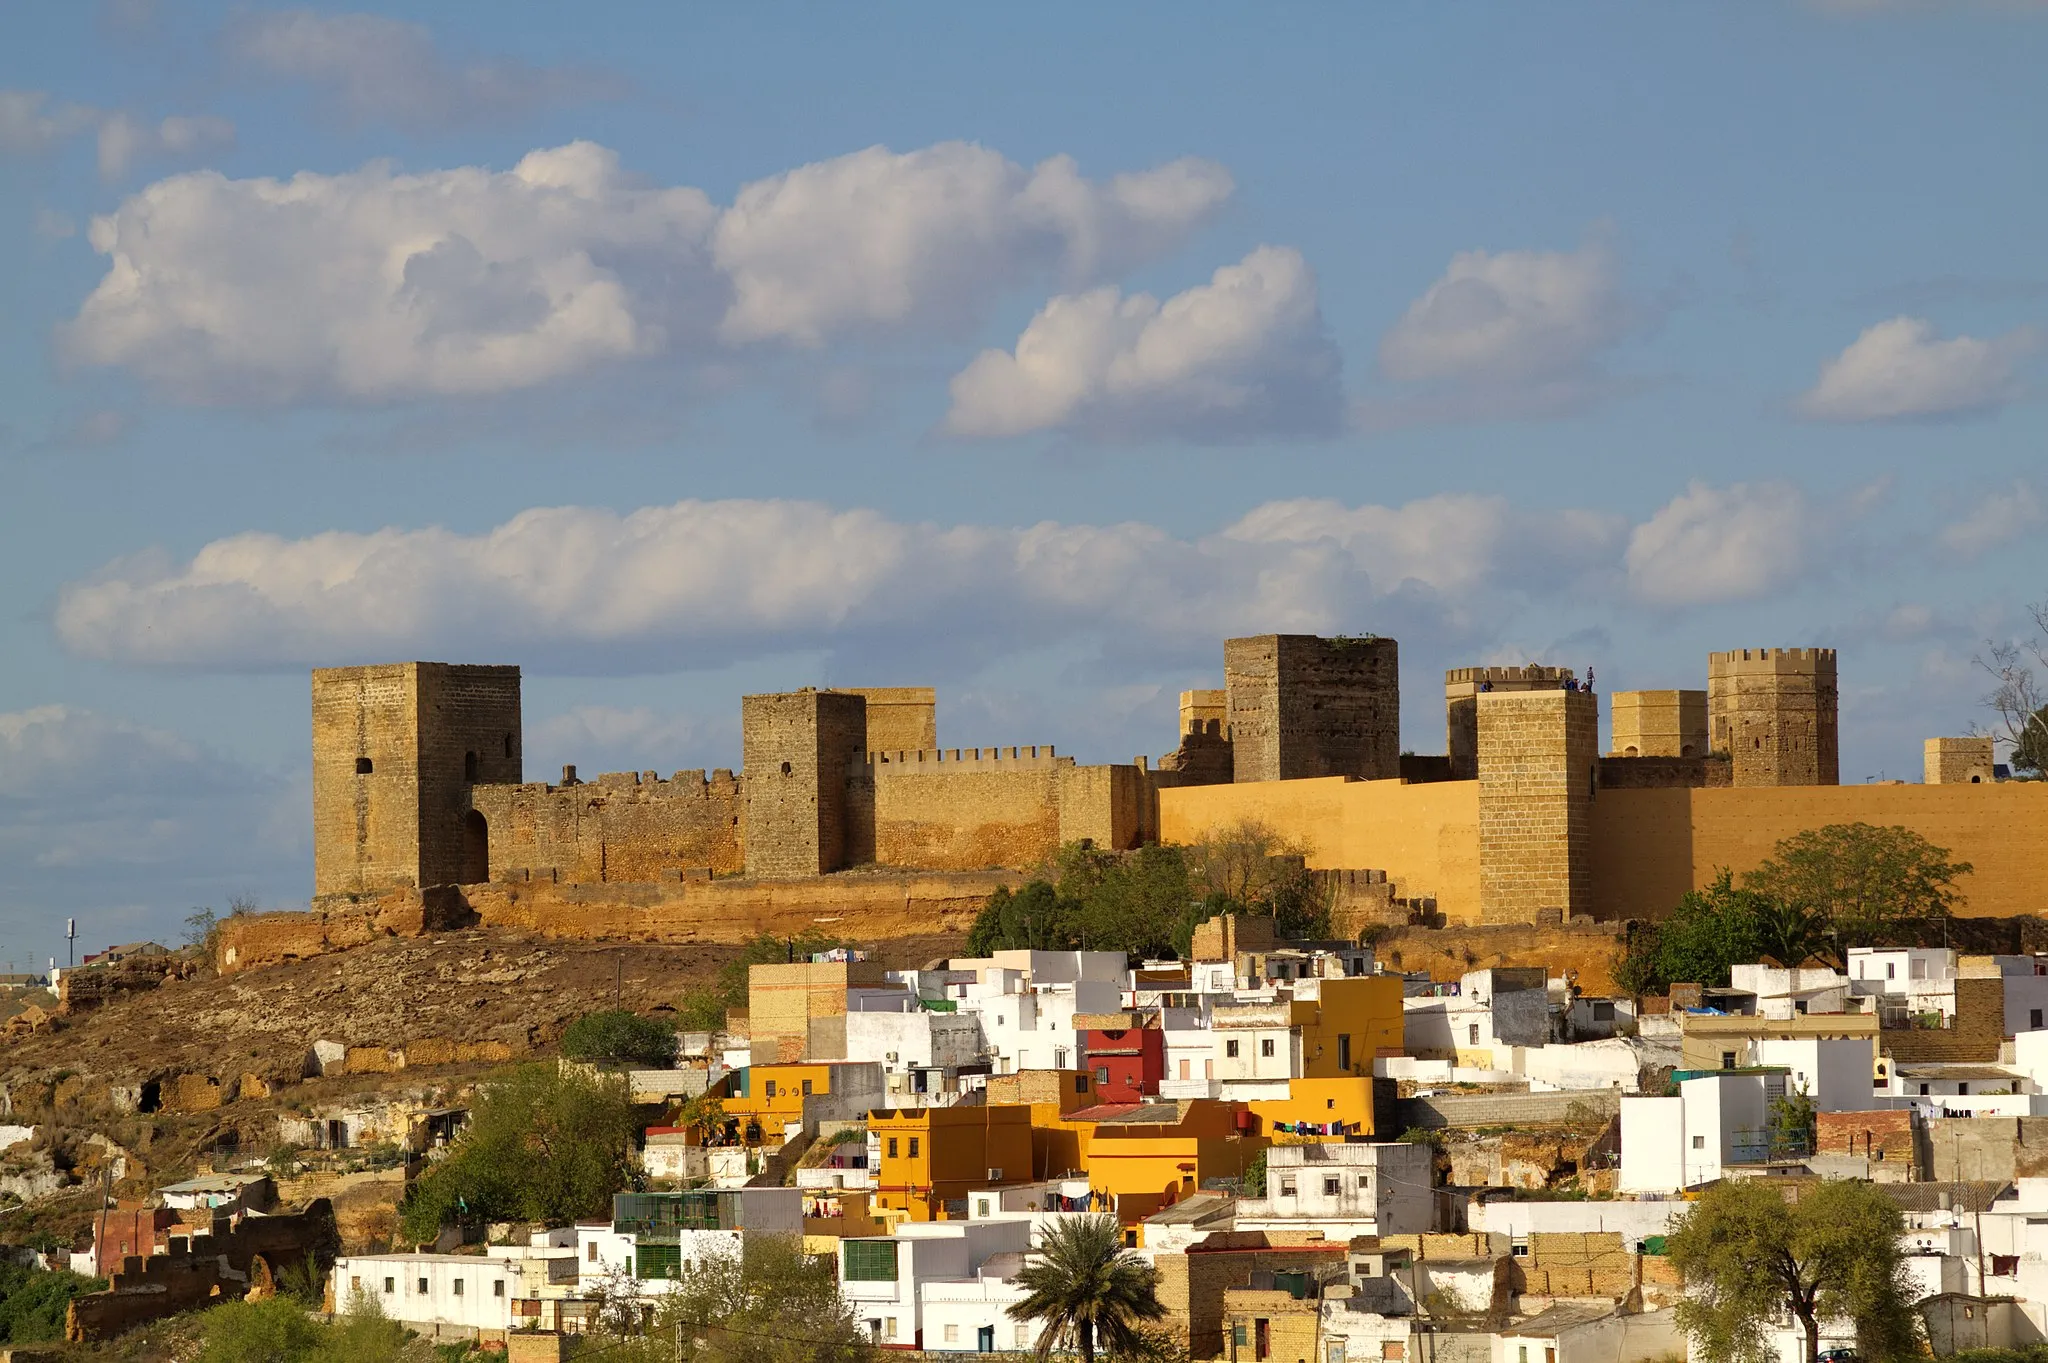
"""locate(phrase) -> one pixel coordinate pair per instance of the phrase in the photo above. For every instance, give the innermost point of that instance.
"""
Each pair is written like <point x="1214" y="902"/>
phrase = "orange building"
<point x="928" y="1158"/>
<point x="1151" y="1155"/>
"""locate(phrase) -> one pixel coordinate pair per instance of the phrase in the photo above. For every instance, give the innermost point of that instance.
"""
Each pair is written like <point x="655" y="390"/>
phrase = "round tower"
<point x="1773" y="711"/>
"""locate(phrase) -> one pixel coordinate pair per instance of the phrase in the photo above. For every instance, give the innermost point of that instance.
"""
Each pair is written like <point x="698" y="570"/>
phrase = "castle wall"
<point x="1538" y="752"/>
<point x="1958" y="761"/>
<point x="622" y="826"/>
<point x="1462" y="689"/>
<point x="962" y="809"/>
<point x="1651" y="846"/>
<point x="900" y="718"/>
<point x="468" y="733"/>
<point x="1658" y="723"/>
<point x="1302" y="706"/>
<point x="1425" y="837"/>
<point x="1774" y="711"/>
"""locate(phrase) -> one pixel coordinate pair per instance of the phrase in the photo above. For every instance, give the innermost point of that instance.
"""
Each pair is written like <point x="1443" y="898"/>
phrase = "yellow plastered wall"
<point x="1145" y="1173"/>
<point x="1366" y="1008"/>
<point x="1651" y="846"/>
<point x="787" y="1103"/>
<point x="1347" y="1100"/>
<point x="1425" y="837"/>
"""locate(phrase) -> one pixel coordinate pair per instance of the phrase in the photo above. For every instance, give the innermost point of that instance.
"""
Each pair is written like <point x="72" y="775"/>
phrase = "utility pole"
<point x="618" y="978"/>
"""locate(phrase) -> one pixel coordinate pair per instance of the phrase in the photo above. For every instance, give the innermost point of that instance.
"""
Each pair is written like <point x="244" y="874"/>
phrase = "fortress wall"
<point x="1425" y="837"/>
<point x="900" y="716"/>
<point x="624" y="826"/>
<point x="1651" y="846"/>
<point x="1000" y="808"/>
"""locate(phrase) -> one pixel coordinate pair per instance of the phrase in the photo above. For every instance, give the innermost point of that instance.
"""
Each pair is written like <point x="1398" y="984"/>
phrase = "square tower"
<point x="396" y="748"/>
<point x="900" y="718"/>
<point x="1959" y="762"/>
<point x="801" y="749"/>
<point x="1205" y="712"/>
<point x="1774" y="712"/>
<point x="1539" y="757"/>
<point x="1462" y="688"/>
<point x="1658" y="723"/>
<point x="1306" y="706"/>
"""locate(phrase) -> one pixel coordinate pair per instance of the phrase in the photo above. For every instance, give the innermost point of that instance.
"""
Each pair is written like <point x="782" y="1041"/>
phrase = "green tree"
<point x="33" y="1303"/>
<point x="1255" y="869"/>
<point x="1033" y="918"/>
<point x="542" y="1145"/>
<point x="772" y="1304"/>
<point x="1793" y="1122"/>
<point x="274" y="1330"/>
<point x="1858" y="876"/>
<point x="1137" y="903"/>
<point x="1746" y="1257"/>
<point x="1082" y="1283"/>
<point x="619" y="1036"/>
<point x="701" y="1009"/>
<point x="362" y="1333"/>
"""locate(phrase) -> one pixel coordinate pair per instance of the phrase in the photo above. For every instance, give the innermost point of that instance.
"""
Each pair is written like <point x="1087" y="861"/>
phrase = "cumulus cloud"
<point x="373" y="285"/>
<point x="881" y="237"/>
<point x="373" y="68"/>
<point x="1898" y="370"/>
<point x="1999" y="519"/>
<point x="93" y="806"/>
<point x="699" y="584"/>
<point x="31" y="125"/>
<point x="1245" y="354"/>
<point x="1714" y="544"/>
<point x="1510" y="318"/>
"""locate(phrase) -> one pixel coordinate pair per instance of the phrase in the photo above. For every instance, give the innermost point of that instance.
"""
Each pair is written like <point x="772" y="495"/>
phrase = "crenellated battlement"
<point x="922" y="761"/>
<point x="684" y="785"/>
<point x="1530" y="672"/>
<point x="1790" y="661"/>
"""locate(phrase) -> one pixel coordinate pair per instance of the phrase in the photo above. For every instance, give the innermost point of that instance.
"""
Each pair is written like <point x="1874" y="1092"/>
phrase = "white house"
<point x="1720" y="1118"/>
<point x="432" y="1292"/>
<point x="1837" y="1073"/>
<point x="1483" y="1010"/>
<point x="1905" y="981"/>
<point x="1026" y="1001"/>
<point x="1784" y="992"/>
<point x="653" y="1238"/>
<point x="880" y="1277"/>
<point x="972" y="1315"/>
<point x="1344" y="1190"/>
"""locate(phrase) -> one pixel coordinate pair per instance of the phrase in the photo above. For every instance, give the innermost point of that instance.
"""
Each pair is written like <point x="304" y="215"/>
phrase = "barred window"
<point x="660" y="1263"/>
<point x="869" y="1261"/>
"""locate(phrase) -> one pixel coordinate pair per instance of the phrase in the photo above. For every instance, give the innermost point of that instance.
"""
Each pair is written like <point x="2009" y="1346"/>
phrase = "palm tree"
<point x="1081" y="1280"/>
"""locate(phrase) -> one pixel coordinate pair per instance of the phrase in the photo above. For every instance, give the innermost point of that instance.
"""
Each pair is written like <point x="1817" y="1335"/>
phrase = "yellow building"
<point x="1149" y="1155"/>
<point x="1352" y="1021"/>
<point x="929" y="1158"/>
<point x="774" y="1094"/>
<point x="1344" y="1101"/>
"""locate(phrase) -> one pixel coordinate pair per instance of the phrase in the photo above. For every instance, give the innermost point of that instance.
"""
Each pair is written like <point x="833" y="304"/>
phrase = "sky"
<point x="675" y="352"/>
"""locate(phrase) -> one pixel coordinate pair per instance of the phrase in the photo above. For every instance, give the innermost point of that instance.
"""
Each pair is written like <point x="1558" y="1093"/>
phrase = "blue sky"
<point x="679" y="351"/>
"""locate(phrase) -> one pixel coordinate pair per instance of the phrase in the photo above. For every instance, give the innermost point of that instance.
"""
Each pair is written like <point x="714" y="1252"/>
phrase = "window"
<point x="1923" y="1090"/>
<point x="1344" y="1050"/>
<point x="1335" y="1352"/>
<point x="913" y="1147"/>
<point x="2033" y="1019"/>
<point x="1080" y="1083"/>
<point x="869" y="1261"/>
<point x="981" y="1206"/>
<point x="390" y="1286"/>
<point x="892" y="1147"/>
<point x="888" y="1322"/>
<point x="952" y="1334"/>
<point x="1266" y="1046"/>
<point x="1208" y="1069"/>
<point x="1364" y="1182"/>
<point x="355" y="1284"/>
<point x="1699" y="1142"/>
<point x="1522" y="1353"/>
<point x="423" y="1287"/>
<point x="1962" y="1090"/>
<point x="770" y="1089"/>
<point x="469" y="766"/>
<point x="364" y="766"/>
<point x="1472" y="1034"/>
<point x="458" y="1287"/>
<point x="590" y="1250"/>
<point x="1102" y="1074"/>
<point x="1184" y="1064"/>
<point x="1237" y="1334"/>
<point x="1331" y="1187"/>
<point x="1603" y="1012"/>
<point x="1022" y="1335"/>
<point x="1727" y="1060"/>
<point x="1891" y="971"/>
<point x="508" y="745"/>
<point x="498" y="1288"/>
<point x="807" y="1088"/>
<point x="1230" y="1049"/>
<point x="1287" y="1187"/>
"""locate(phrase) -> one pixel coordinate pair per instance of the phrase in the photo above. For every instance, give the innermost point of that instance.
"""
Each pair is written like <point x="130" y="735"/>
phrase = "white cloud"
<point x="1712" y="544"/>
<point x="372" y="285"/>
<point x="1897" y="369"/>
<point x="2002" y="517"/>
<point x="884" y="238"/>
<point x="1510" y="318"/>
<point x="704" y="583"/>
<point x="1245" y="354"/>
<point x="30" y="125"/>
<point x="374" y="68"/>
<point x="601" y="738"/>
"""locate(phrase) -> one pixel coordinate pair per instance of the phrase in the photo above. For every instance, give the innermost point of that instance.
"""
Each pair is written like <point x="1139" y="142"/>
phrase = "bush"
<point x="32" y="1302"/>
<point x="618" y="1036"/>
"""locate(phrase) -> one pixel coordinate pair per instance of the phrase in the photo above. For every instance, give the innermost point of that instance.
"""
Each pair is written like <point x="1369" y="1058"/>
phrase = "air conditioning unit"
<point x="892" y="1057"/>
<point x="995" y="1176"/>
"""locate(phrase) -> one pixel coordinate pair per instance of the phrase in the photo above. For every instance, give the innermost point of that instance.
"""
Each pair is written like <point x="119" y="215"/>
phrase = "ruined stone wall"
<point x="900" y="717"/>
<point x="396" y="748"/>
<point x="621" y="827"/>
<point x="336" y="923"/>
<point x="1664" y="773"/>
<point x="800" y="751"/>
<point x="1658" y="723"/>
<point x="1462" y="688"/>
<point x="1774" y="711"/>
<point x="1538" y="751"/>
<point x="1205" y="712"/>
<point x="1303" y="706"/>
<point x="1958" y="761"/>
<point x="1651" y="846"/>
<point x="1204" y="757"/>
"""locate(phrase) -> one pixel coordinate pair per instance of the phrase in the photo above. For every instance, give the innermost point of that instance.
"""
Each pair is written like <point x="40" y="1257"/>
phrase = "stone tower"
<point x="1462" y="688"/>
<point x="396" y="748"/>
<point x="900" y="718"/>
<point x="1959" y="761"/>
<point x="801" y="749"/>
<point x="1658" y="723"/>
<point x="1539" y="756"/>
<point x="1306" y="706"/>
<point x="1773" y="711"/>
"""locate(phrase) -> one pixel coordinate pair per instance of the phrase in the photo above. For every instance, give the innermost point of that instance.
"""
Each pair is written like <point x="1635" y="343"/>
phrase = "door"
<point x="985" y="1340"/>
<point x="1262" y="1338"/>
